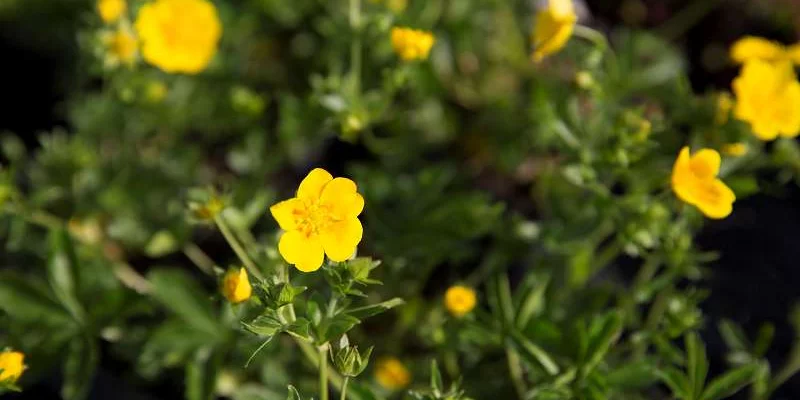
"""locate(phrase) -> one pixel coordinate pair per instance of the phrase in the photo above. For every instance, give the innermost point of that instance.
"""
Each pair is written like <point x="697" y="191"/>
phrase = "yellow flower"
<point x="392" y="374"/>
<point x="412" y="44"/>
<point x="111" y="10"/>
<point x="11" y="362"/>
<point x="751" y="48"/>
<point x="459" y="300"/>
<point x="321" y="219"/>
<point x="553" y="27"/>
<point x="735" y="149"/>
<point x="121" y="47"/>
<point x="768" y="97"/>
<point x="236" y="286"/>
<point x="724" y="107"/>
<point x="179" y="35"/>
<point x="694" y="180"/>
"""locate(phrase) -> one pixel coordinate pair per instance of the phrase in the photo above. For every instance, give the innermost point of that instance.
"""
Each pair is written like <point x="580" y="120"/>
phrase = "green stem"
<point x="237" y="247"/>
<point x="686" y="18"/>
<point x="515" y="370"/>
<point x="323" y="372"/>
<point x="344" y="388"/>
<point x="199" y="258"/>
<point x="355" y="46"/>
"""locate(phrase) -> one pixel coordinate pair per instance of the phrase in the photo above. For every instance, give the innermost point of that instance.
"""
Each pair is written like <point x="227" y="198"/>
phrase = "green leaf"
<point x="731" y="382"/>
<point x="293" y="394"/>
<point x="436" y="378"/>
<point x="161" y="243"/>
<point x="697" y="366"/>
<point x="264" y="325"/>
<point x="601" y="339"/>
<point x="337" y="326"/>
<point x="733" y="336"/>
<point x="201" y="375"/>
<point x="677" y="381"/>
<point x="62" y="269"/>
<point x="763" y="339"/>
<point x="634" y="375"/>
<point x="505" y="303"/>
<point x="184" y="297"/>
<point x="79" y="368"/>
<point x="365" y="312"/>
<point x="25" y="300"/>
<point x="533" y="353"/>
<point x="532" y="305"/>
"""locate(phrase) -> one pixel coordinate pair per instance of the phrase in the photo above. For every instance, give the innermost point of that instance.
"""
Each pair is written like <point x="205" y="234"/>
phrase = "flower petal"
<point x="341" y="238"/>
<point x="341" y="196"/>
<point x="714" y="199"/>
<point x="304" y="252"/>
<point x="682" y="176"/>
<point x="751" y="47"/>
<point x="286" y="213"/>
<point x="705" y="163"/>
<point x="312" y="185"/>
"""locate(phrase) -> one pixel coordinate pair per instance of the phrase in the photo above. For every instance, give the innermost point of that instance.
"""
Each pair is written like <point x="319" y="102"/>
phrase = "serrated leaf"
<point x="730" y="383"/>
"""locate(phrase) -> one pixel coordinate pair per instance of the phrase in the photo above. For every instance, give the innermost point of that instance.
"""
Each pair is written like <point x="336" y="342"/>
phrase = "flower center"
<point x="313" y="218"/>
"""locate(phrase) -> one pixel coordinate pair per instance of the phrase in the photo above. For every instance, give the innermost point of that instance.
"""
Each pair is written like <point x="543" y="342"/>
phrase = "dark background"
<point x="756" y="280"/>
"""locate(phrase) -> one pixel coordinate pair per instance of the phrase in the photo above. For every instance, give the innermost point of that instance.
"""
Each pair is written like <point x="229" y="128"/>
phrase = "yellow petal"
<point x="751" y="47"/>
<point x="561" y="8"/>
<point x="551" y="33"/>
<point x="341" y="196"/>
<point x="682" y="176"/>
<point x="305" y="252"/>
<point x="312" y="185"/>
<point x="286" y="213"/>
<point x="705" y="163"/>
<point x="793" y="52"/>
<point x="12" y="364"/>
<point x="714" y="199"/>
<point x="341" y="239"/>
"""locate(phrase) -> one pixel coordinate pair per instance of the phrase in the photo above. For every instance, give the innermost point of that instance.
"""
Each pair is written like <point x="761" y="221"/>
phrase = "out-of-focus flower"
<point x="734" y="149"/>
<point x="155" y="91"/>
<point x="694" y="180"/>
<point x="12" y="364"/>
<point x="724" y="106"/>
<point x="553" y="27"/>
<point x="179" y="36"/>
<point x="412" y="44"/>
<point x="459" y="300"/>
<point x="321" y="219"/>
<point x="121" y="47"/>
<point x="392" y="374"/>
<point x="110" y="11"/>
<point x="236" y="286"/>
<point x="768" y="98"/>
<point x="751" y="48"/>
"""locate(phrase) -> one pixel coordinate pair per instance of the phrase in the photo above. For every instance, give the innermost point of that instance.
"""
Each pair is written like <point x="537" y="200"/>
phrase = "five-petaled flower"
<point x="236" y="286"/>
<point x="694" y="180"/>
<point x="459" y="300"/>
<point x="121" y="47"/>
<point x="12" y="365"/>
<point x="179" y="35"/>
<point x="321" y="219"/>
<point x="553" y="27"/>
<point x="392" y="374"/>
<point x="111" y="11"/>
<point x="768" y="98"/>
<point x="412" y="44"/>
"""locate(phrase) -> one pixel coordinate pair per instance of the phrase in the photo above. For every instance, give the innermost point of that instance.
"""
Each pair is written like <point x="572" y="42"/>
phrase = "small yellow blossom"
<point x="236" y="286"/>
<point x="459" y="300"/>
<point x="724" y="106"/>
<point x="111" y="10"/>
<point x="121" y="47"/>
<point x="179" y="35"/>
<point x="12" y="365"/>
<point x="735" y="149"/>
<point x="392" y="374"/>
<point x="321" y="219"/>
<point x="412" y="44"/>
<point x="751" y="48"/>
<point x="553" y="27"/>
<point x="694" y="180"/>
<point x="768" y="98"/>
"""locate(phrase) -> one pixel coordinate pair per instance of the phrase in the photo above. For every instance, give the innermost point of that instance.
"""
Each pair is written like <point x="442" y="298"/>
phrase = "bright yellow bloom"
<point x="12" y="364"/>
<point x="111" y="10"/>
<point x="459" y="300"/>
<point x="121" y="47"/>
<point x="751" y="48"/>
<point x="179" y="35"/>
<point x="412" y="44"/>
<point x="768" y="98"/>
<point x="734" y="149"/>
<point x="321" y="219"/>
<point x="553" y="27"/>
<point x="392" y="374"/>
<point x="236" y="286"/>
<point x="694" y="180"/>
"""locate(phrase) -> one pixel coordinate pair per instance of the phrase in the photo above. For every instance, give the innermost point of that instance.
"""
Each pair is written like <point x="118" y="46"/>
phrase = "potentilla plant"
<point x="514" y="217"/>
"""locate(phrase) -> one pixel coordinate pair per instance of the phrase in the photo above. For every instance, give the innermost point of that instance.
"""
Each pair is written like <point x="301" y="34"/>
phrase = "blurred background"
<point x="756" y="279"/>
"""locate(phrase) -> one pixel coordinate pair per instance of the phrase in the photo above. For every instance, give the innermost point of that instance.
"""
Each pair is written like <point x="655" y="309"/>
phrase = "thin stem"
<point x="323" y="372"/>
<point x="355" y="46"/>
<point x="199" y="258"/>
<point x="237" y="247"/>
<point x="344" y="388"/>
<point x="515" y="370"/>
